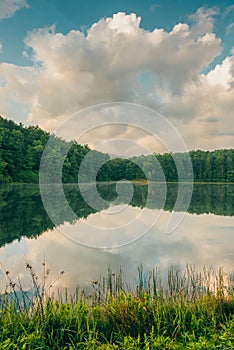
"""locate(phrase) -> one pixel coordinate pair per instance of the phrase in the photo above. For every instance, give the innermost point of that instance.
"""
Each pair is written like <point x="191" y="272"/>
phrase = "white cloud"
<point x="154" y="7"/>
<point x="221" y="74"/>
<point x="228" y="10"/>
<point x="230" y="28"/>
<point x="79" y="71"/>
<point x="204" y="20"/>
<point x="9" y="7"/>
<point x="122" y="23"/>
<point x="74" y="71"/>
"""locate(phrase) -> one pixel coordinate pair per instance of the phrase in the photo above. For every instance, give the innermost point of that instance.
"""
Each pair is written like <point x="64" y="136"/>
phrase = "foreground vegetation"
<point x="190" y="311"/>
<point x="21" y="149"/>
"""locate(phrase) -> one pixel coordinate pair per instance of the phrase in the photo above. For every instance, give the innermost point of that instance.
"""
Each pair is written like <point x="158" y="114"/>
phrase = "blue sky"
<point x="76" y="14"/>
<point x="195" y="38"/>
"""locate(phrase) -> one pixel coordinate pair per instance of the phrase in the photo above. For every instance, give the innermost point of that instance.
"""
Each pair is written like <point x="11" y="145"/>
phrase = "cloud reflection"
<point x="200" y="240"/>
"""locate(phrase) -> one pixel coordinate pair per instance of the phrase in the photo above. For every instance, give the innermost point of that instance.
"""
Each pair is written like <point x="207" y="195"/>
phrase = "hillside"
<point x="21" y="149"/>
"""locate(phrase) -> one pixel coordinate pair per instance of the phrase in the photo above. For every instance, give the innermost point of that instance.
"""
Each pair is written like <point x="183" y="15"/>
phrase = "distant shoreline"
<point x="137" y="182"/>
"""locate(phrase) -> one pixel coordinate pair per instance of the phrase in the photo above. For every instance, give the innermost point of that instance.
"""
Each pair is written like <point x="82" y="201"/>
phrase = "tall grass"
<point x="185" y="310"/>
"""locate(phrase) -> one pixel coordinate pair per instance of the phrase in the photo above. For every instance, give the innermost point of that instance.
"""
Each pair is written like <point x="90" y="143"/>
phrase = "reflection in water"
<point x="23" y="215"/>
<point x="200" y="239"/>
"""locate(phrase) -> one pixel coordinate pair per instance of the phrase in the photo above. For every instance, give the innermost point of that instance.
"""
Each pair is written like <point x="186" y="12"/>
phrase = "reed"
<point x="187" y="309"/>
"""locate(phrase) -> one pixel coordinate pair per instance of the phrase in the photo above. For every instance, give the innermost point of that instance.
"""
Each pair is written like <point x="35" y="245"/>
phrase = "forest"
<point x="21" y="149"/>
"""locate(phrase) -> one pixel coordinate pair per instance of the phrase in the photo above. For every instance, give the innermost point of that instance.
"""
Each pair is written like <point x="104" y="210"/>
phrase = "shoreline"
<point x="138" y="182"/>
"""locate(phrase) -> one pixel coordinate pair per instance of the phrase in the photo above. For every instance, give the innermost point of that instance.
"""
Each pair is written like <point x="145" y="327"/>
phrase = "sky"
<point x="58" y="57"/>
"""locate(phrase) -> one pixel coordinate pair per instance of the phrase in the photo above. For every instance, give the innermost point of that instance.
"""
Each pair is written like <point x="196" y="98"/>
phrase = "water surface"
<point x="205" y="236"/>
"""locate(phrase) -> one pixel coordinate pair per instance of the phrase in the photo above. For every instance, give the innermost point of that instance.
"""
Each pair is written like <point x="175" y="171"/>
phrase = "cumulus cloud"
<point x="117" y="60"/>
<point x="104" y="65"/>
<point x="16" y="85"/>
<point x="9" y="7"/>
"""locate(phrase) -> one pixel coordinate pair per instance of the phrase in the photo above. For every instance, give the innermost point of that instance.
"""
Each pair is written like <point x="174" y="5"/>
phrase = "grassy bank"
<point x="189" y="310"/>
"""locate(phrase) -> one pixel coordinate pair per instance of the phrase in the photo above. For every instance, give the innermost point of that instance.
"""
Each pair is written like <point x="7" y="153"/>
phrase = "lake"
<point x="114" y="227"/>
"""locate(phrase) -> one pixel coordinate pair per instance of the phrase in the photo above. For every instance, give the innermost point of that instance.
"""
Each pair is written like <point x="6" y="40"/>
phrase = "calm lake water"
<point x="114" y="231"/>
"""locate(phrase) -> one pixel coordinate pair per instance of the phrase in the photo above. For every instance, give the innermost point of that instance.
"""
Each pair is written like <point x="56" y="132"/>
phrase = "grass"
<point x="190" y="310"/>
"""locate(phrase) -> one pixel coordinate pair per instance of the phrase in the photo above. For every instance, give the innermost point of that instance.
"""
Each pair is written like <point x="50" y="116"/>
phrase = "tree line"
<point x="21" y="149"/>
<point x="207" y="166"/>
